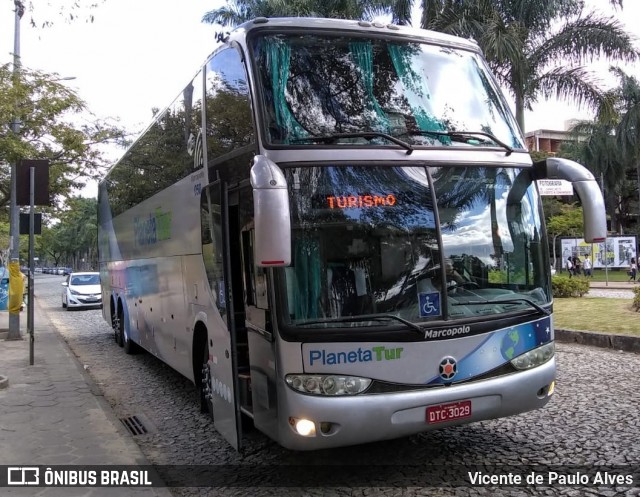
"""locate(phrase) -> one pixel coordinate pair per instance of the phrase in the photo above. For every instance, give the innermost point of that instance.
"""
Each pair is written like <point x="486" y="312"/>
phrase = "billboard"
<point x="555" y="187"/>
<point x="615" y="252"/>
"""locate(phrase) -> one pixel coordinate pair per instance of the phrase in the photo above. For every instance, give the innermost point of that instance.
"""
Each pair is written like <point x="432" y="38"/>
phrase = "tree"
<point x="51" y="248"/>
<point x="49" y="113"/>
<point x="568" y="223"/>
<point x="628" y="129"/>
<point x="239" y="11"/>
<point x="535" y="48"/>
<point x="78" y="10"/>
<point x="610" y="147"/>
<point x="78" y="232"/>
<point x="73" y="241"/>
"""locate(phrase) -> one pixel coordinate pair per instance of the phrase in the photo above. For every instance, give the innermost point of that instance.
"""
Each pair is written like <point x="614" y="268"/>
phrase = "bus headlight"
<point x="534" y="357"/>
<point x="327" y="384"/>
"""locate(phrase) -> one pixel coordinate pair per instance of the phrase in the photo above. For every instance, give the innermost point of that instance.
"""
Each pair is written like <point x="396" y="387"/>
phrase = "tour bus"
<point x="336" y="233"/>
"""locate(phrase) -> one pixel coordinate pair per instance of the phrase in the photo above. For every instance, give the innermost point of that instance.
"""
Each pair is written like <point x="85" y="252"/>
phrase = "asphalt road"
<point x="593" y="420"/>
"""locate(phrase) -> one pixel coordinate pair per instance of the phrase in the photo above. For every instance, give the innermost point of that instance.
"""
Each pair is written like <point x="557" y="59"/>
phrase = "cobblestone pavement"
<point x="594" y="419"/>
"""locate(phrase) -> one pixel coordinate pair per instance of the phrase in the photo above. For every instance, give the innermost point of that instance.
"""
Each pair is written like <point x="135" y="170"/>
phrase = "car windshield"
<point x="317" y="87"/>
<point x="366" y="245"/>
<point x="85" y="279"/>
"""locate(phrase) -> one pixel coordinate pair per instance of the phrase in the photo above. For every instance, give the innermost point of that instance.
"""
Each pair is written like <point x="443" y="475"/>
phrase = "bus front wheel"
<point x="206" y="392"/>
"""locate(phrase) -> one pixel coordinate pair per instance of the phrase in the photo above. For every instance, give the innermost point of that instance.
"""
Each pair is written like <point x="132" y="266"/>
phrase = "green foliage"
<point x="609" y="146"/>
<point x="568" y="222"/>
<point x="539" y="155"/>
<point x="49" y="128"/>
<point x="563" y="286"/>
<point x="636" y="298"/>
<point x="502" y="277"/>
<point x="74" y="240"/>
<point x="76" y="11"/>
<point x="238" y="11"/>
<point x="497" y="276"/>
<point x="536" y="49"/>
<point x="553" y="206"/>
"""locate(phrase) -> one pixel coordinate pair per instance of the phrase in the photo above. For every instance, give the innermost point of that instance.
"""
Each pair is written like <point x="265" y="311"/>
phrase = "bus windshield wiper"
<point x="506" y="301"/>
<point x="368" y="135"/>
<point x="464" y="136"/>
<point x="367" y="317"/>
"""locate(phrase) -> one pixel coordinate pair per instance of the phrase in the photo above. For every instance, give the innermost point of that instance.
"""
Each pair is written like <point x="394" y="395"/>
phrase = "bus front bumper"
<point x="342" y="421"/>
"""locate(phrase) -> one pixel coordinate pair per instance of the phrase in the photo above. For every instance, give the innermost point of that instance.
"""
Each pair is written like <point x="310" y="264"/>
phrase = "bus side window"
<point x="230" y="135"/>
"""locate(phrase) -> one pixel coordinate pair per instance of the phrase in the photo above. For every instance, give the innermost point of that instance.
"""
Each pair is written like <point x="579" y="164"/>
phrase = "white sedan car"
<point x="81" y="290"/>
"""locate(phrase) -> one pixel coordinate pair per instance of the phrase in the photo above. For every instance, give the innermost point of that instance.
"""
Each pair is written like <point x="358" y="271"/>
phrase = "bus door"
<point x="219" y="261"/>
<point x="255" y="340"/>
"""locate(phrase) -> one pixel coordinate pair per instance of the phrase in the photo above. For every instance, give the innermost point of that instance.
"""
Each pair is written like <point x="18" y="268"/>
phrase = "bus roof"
<point x="378" y="28"/>
<point x="240" y="32"/>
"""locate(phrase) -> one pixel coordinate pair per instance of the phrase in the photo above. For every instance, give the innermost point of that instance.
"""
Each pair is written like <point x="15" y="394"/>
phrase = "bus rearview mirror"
<point x="271" y="214"/>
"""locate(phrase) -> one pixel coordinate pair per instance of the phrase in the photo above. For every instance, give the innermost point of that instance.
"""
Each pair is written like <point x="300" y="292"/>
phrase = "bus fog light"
<point x="332" y="385"/>
<point x="303" y="427"/>
<point x="534" y="357"/>
<point x="326" y="427"/>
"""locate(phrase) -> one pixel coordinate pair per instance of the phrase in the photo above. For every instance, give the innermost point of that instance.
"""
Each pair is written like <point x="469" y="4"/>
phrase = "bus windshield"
<point x="317" y="87"/>
<point x="367" y="245"/>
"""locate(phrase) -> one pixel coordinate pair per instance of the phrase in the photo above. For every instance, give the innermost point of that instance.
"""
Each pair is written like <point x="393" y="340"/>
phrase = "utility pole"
<point x="14" y="230"/>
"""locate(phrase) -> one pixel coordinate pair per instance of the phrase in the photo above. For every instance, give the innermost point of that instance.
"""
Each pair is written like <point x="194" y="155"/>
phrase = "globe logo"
<point x="448" y="368"/>
<point x="512" y="345"/>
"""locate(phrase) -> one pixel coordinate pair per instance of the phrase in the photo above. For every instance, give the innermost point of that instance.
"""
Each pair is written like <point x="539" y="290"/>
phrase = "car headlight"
<point x="327" y="384"/>
<point x="534" y="357"/>
<point x="74" y="292"/>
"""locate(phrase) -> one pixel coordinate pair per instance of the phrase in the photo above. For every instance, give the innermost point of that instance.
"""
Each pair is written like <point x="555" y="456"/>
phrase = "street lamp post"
<point x="14" y="233"/>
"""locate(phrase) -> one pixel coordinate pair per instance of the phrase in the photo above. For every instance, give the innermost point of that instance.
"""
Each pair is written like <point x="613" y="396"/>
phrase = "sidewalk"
<point x="614" y="285"/>
<point x="52" y="413"/>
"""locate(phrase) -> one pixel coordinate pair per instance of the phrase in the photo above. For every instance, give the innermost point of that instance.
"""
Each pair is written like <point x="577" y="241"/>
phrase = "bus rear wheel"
<point x="116" y="328"/>
<point x="129" y="346"/>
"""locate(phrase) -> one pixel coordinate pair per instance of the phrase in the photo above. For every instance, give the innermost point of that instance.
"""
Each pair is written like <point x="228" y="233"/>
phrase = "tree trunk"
<point x="638" y="182"/>
<point x="520" y="110"/>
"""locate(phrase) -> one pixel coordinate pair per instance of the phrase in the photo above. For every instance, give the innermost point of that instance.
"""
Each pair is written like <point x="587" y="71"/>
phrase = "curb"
<point x="624" y="343"/>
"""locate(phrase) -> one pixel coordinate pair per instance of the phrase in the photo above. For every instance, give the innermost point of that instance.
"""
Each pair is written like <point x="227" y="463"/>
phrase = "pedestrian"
<point x="586" y="265"/>
<point x="577" y="265"/>
<point x="569" y="266"/>
<point x="633" y="270"/>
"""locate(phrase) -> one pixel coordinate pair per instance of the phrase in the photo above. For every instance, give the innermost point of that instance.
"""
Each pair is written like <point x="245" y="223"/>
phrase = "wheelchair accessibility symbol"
<point x="429" y="304"/>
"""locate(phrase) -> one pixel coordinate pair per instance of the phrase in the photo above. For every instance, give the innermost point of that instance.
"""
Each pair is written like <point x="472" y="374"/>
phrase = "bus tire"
<point x="204" y="387"/>
<point x="118" y="328"/>
<point x="130" y="347"/>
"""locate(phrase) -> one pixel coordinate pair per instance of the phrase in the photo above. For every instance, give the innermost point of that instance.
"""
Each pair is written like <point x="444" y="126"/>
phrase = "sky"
<point x="138" y="54"/>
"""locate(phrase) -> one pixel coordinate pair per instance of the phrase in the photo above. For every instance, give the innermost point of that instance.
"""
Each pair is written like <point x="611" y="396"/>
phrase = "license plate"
<point x="449" y="412"/>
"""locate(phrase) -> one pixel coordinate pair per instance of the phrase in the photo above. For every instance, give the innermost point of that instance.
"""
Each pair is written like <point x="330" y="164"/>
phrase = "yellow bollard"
<point x="16" y="288"/>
